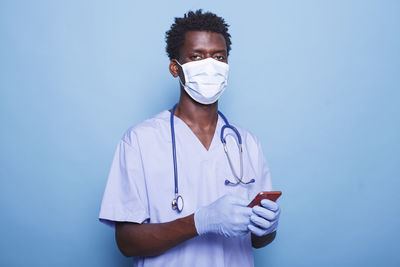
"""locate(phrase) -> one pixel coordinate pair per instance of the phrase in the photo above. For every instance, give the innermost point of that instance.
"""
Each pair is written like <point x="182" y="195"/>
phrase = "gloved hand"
<point x="265" y="218"/>
<point x="228" y="216"/>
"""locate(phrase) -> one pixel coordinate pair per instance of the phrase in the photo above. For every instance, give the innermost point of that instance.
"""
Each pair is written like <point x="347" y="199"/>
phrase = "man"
<point x="214" y="226"/>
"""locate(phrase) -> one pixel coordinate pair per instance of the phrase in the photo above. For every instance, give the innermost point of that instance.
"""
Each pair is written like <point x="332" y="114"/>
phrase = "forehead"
<point x="203" y="40"/>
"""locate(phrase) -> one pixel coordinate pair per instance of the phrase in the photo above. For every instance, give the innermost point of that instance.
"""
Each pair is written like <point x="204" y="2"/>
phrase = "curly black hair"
<point x="194" y="21"/>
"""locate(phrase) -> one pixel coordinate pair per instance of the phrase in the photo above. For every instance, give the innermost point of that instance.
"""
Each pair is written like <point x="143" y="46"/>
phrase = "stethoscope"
<point x="177" y="202"/>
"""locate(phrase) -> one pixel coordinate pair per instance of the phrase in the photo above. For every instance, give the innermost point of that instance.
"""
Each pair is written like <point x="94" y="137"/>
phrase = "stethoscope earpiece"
<point x="227" y="182"/>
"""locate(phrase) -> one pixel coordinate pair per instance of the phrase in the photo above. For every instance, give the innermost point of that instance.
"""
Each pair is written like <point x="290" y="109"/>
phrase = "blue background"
<point x="317" y="81"/>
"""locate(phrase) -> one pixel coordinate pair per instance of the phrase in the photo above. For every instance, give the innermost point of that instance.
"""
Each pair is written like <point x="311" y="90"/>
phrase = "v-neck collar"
<point x="193" y="135"/>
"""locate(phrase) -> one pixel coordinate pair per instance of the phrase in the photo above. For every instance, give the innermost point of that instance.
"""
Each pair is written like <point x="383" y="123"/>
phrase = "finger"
<point x="274" y="221"/>
<point x="277" y="214"/>
<point x="265" y="213"/>
<point x="261" y="222"/>
<point x="273" y="227"/>
<point x="269" y="204"/>
<point x="255" y="230"/>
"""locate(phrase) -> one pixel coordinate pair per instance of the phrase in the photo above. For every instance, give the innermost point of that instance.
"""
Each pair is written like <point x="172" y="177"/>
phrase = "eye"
<point x="195" y="57"/>
<point x="220" y="58"/>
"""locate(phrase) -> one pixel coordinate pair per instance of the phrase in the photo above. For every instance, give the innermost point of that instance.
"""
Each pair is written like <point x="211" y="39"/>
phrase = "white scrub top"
<point x="140" y="187"/>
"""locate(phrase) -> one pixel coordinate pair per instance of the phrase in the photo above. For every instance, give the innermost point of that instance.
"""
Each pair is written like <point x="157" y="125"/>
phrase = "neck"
<point x="196" y="114"/>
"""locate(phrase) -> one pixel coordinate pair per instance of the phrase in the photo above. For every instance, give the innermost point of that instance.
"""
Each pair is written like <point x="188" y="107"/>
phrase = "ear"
<point x="174" y="68"/>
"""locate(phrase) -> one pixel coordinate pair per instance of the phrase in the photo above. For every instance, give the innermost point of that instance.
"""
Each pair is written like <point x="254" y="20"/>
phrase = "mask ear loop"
<point x="180" y="80"/>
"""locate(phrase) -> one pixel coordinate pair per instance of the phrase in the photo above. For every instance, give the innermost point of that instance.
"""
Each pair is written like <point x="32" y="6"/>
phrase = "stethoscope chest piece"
<point x="177" y="203"/>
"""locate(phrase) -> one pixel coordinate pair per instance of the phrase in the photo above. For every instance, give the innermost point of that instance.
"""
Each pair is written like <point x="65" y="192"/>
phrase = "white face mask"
<point x="205" y="80"/>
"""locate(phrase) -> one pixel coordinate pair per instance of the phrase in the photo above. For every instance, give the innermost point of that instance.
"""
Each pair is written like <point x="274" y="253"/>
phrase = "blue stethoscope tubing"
<point x="177" y="202"/>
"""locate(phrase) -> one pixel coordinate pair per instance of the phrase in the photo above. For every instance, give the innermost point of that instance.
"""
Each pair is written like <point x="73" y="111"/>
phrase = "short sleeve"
<point x="125" y="197"/>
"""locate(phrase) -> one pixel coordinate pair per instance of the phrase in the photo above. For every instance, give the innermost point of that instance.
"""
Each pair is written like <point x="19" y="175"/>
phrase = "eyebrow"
<point x="214" y="52"/>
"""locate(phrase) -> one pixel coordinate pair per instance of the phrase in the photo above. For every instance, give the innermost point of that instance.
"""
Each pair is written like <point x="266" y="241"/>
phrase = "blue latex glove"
<point x="228" y="216"/>
<point x="265" y="218"/>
